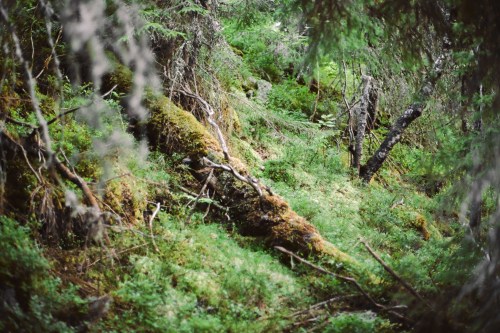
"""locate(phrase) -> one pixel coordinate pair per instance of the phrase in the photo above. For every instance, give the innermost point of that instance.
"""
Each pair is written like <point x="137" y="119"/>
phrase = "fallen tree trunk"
<point x="251" y="205"/>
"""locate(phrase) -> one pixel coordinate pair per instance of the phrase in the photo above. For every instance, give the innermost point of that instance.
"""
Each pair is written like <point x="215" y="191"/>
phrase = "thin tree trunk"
<point x="362" y="120"/>
<point x="375" y="162"/>
<point x="412" y="112"/>
<point x="477" y="189"/>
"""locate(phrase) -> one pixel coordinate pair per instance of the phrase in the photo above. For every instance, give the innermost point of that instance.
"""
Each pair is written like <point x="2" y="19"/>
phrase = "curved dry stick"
<point x="389" y="270"/>
<point x="345" y="279"/>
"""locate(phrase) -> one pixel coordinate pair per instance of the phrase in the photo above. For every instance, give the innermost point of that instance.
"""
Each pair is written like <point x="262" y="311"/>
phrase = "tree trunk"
<point x="366" y="109"/>
<point x="477" y="190"/>
<point x="375" y="162"/>
<point x="412" y="112"/>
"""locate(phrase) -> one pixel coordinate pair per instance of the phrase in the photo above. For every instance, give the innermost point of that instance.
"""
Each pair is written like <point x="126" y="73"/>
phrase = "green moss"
<point x="126" y="197"/>
<point x="172" y="129"/>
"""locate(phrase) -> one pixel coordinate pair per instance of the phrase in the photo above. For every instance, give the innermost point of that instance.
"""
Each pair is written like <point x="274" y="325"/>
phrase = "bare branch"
<point x="389" y="270"/>
<point x="188" y="220"/>
<point x="151" y="226"/>
<point x="210" y="113"/>
<point x="345" y="279"/>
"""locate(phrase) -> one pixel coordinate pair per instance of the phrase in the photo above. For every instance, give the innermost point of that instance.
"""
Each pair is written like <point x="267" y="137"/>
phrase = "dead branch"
<point x="210" y="113"/>
<point x="347" y="279"/>
<point x="20" y="123"/>
<point x="389" y="270"/>
<point x="248" y="179"/>
<point x="209" y="177"/>
<point x="320" y="304"/>
<point x="151" y="226"/>
<point x="78" y="181"/>
<point x="49" y="59"/>
<point x="76" y="108"/>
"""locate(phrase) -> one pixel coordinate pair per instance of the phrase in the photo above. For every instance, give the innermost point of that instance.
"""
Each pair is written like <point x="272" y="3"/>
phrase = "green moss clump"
<point x="173" y="130"/>
<point x="126" y="197"/>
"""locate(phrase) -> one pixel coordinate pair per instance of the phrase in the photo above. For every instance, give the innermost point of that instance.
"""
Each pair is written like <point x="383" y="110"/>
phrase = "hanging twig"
<point x="389" y="270"/>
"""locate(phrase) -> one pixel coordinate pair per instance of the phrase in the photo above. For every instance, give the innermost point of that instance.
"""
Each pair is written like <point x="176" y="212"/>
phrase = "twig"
<point x="188" y="220"/>
<point x="17" y="122"/>
<point x="317" y="95"/>
<point x="345" y="279"/>
<point x="119" y="252"/>
<point x="320" y="304"/>
<point x="344" y="88"/>
<point x="249" y="180"/>
<point x="398" y="203"/>
<point x="49" y="59"/>
<point x="76" y="108"/>
<point x="126" y="174"/>
<point x="210" y="113"/>
<point x="151" y="226"/>
<point x="395" y="275"/>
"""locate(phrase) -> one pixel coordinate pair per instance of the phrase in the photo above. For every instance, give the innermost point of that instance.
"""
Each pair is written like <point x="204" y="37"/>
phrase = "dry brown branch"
<point x="389" y="270"/>
<point x="347" y="279"/>
<point x="66" y="173"/>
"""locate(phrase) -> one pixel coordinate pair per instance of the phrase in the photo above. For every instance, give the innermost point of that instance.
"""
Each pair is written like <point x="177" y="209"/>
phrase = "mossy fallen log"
<point x="253" y="209"/>
<point x="173" y="130"/>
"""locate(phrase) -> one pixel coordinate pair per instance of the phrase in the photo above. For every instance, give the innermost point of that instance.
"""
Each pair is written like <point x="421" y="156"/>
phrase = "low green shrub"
<point x="31" y="299"/>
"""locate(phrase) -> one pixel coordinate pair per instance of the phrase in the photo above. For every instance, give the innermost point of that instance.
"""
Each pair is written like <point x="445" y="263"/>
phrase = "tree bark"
<point x="363" y="113"/>
<point x="412" y="112"/>
<point x="375" y="162"/>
